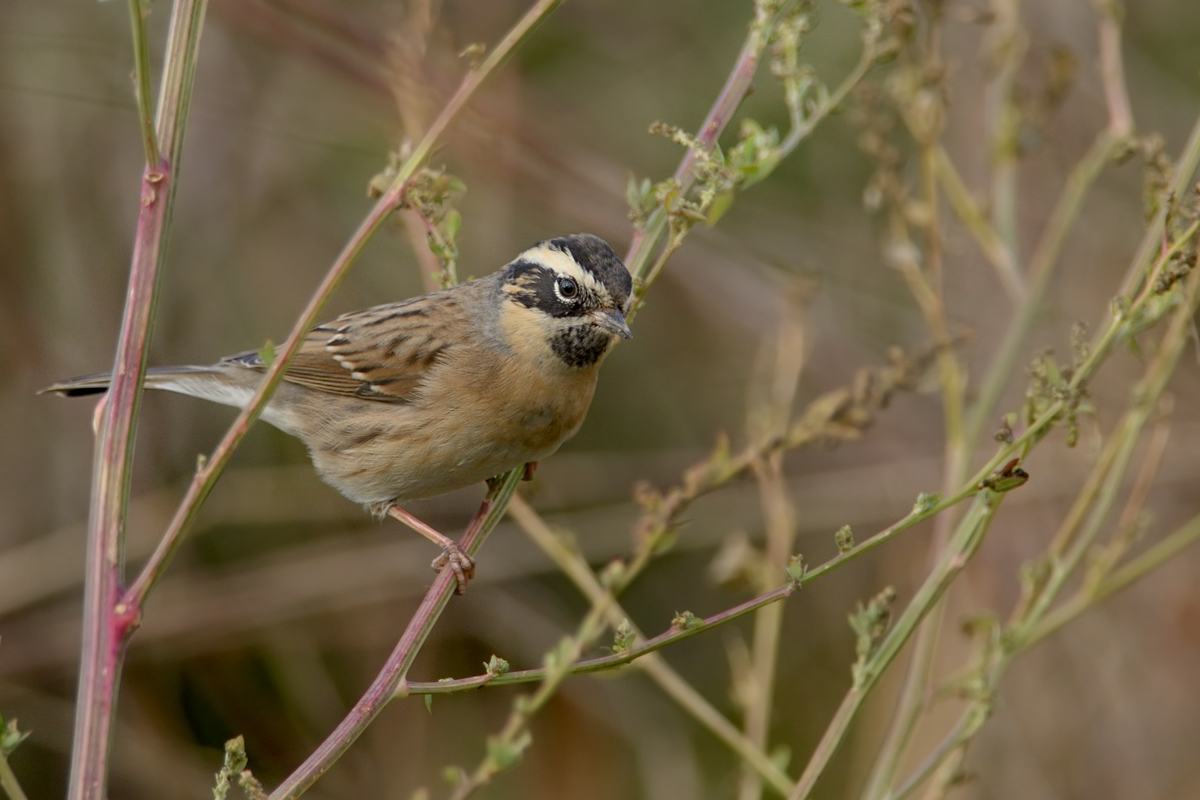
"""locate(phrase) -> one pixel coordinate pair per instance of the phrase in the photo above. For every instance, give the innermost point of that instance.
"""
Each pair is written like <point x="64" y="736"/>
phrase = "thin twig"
<point x="780" y="524"/>
<point x="1002" y="259"/>
<point x="926" y="286"/>
<point x="1031" y="623"/>
<point x="576" y="568"/>
<point x="957" y="553"/>
<point x="1128" y="574"/>
<point x="614" y="660"/>
<point x="9" y="782"/>
<point x="1112" y="68"/>
<point x="1006" y="50"/>
<point x="676" y="634"/>
<point x="650" y="238"/>
<point x="647" y="240"/>
<point x="138" y="11"/>
<point x="1041" y="270"/>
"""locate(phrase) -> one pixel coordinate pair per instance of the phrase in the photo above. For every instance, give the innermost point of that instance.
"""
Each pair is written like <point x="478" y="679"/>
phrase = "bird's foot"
<point x="461" y="564"/>
<point x="530" y="470"/>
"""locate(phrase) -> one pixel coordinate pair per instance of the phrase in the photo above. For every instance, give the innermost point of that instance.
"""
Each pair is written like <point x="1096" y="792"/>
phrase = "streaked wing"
<point x="380" y="353"/>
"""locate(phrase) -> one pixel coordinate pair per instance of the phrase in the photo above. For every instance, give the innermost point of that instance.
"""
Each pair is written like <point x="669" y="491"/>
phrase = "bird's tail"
<point x="172" y="379"/>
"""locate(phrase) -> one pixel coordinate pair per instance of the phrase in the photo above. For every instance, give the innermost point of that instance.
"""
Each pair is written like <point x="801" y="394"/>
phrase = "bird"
<point x="427" y="395"/>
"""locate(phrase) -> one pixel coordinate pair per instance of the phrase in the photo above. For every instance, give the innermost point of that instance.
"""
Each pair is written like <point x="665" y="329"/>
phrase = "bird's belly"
<point x="393" y="460"/>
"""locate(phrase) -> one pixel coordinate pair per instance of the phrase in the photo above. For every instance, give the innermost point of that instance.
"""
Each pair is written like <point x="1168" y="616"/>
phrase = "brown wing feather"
<point x="381" y="353"/>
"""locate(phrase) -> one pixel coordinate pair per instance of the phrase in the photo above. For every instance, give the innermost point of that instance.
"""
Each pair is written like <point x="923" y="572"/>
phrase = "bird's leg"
<point x="461" y="564"/>
<point x="530" y="470"/>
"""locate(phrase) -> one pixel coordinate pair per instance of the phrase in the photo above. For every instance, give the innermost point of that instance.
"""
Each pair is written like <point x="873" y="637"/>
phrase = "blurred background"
<point x="287" y="597"/>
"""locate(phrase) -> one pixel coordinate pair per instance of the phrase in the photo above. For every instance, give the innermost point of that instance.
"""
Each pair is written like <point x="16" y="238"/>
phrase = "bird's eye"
<point x="567" y="288"/>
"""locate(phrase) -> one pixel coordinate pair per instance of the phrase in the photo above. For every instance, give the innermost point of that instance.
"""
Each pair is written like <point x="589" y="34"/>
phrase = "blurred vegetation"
<point x="287" y="598"/>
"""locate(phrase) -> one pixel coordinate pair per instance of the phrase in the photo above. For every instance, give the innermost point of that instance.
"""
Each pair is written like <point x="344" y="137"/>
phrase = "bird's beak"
<point x="612" y="320"/>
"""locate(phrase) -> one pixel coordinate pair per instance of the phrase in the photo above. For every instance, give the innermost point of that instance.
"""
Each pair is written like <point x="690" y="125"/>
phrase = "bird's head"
<point x="572" y="292"/>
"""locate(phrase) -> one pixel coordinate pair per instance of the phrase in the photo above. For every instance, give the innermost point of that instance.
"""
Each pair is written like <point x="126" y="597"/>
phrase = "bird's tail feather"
<point x="168" y="378"/>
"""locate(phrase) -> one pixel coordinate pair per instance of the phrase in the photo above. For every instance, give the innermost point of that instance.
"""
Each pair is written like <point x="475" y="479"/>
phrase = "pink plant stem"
<point x="108" y="623"/>
<point x="723" y="108"/>
<point x="391" y="676"/>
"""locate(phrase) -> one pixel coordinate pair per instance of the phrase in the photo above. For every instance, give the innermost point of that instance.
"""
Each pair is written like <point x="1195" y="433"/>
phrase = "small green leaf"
<point x="926" y="502"/>
<point x="623" y="637"/>
<point x="612" y="573"/>
<point x="429" y="703"/>
<point x="496" y="666"/>
<point x="633" y="198"/>
<point x="506" y="753"/>
<point x="452" y="224"/>
<point x="845" y="539"/>
<point x="10" y="737"/>
<point x="720" y="204"/>
<point x="687" y="621"/>
<point x="781" y="756"/>
<point x="235" y="754"/>
<point x="796" y="569"/>
<point x="266" y="353"/>
<point x="870" y="623"/>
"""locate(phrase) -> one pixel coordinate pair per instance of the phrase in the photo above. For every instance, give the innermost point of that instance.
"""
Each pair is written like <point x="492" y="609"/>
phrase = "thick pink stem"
<point x="391" y="676"/>
<point x="107" y="622"/>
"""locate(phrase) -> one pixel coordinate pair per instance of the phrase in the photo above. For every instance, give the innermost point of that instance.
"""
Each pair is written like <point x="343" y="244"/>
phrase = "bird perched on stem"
<point x="421" y="397"/>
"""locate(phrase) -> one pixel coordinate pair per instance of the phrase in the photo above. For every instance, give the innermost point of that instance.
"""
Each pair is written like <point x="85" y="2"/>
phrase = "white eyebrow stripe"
<point x="563" y="264"/>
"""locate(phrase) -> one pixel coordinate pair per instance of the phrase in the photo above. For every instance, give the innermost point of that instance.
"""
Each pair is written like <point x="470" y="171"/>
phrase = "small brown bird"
<point x="421" y="397"/>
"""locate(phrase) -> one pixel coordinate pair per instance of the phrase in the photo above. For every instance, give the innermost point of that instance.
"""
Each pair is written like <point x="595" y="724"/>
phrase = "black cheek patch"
<point x="580" y="345"/>
<point x="534" y="288"/>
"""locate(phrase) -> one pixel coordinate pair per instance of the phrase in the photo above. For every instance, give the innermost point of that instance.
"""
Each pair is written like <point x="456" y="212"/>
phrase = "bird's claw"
<point x="461" y="564"/>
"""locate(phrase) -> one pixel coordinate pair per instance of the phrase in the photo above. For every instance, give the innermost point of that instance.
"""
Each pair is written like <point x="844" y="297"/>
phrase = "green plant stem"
<point x="1041" y="270"/>
<point x="867" y="58"/>
<point x="927" y="288"/>
<point x="1117" y="453"/>
<point x="1131" y="572"/>
<point x="576" y="568"/>
<point x="767" y="418"/>
<point x="1006" y="50"/>
<point x="1067" y="551"/>
<point x="1003" y="260"/>
<point x="8" y="781"/>
<point x="505" y="747"/>
<point x="779" y="519"/>
<point x="566" y="661"/>
<point x="1185" y="168"/>
<point x="1034" y="619"/>
<point x="390" y="680"/>
<point x="940" y="753"/>
<point x="107" y="623"/>
<point x="960" y="548"/>
<point x="138" y="11"/>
